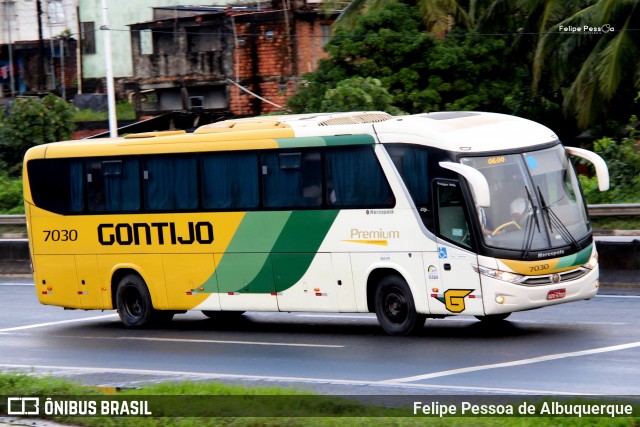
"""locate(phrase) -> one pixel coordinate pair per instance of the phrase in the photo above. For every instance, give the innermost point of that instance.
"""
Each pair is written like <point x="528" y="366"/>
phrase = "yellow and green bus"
<point x="410" y="217"/>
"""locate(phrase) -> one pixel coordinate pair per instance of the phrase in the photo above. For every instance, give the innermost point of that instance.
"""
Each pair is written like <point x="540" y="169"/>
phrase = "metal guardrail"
<point x="13" y="220"/>
<point x="629" y="209"/>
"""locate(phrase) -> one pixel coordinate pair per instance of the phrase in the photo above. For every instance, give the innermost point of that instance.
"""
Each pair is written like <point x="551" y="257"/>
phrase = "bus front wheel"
<point x="133" y="302"/>
<point x="395" y="309"/>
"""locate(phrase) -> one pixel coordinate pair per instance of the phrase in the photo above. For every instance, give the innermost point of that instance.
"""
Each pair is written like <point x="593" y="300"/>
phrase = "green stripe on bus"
<point x="576" y="259"/>
<point x="325" y="141"/>
<point x="286" y="261"/>
<point x="246" y="258"/>
<point x="297" y="245"/>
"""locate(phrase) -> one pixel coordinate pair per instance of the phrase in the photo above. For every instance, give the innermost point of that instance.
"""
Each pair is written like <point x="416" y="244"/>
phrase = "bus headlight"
<point x="593" y="262"/>
<point x="505" y="276"/>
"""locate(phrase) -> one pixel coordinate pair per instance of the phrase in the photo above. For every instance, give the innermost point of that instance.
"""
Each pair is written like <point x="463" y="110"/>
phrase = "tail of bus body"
<point x="380" y="217"/>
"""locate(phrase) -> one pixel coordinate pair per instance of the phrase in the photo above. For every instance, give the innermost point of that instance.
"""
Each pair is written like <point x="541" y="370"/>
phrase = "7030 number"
<point x="539" y="267"/>
<point x="61" y="235"/>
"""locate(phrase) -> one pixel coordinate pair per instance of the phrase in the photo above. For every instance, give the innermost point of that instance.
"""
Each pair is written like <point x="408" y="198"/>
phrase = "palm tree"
<point x="593" y="68"/>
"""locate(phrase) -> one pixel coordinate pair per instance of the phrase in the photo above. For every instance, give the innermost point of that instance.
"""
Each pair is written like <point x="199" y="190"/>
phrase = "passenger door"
<point x="459" y="291"/>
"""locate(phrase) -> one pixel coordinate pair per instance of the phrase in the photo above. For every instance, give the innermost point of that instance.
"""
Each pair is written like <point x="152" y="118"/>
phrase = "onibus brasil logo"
<point x="48" y="406"/>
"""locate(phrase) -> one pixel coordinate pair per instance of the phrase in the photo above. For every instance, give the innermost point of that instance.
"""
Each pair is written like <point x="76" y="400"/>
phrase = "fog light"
<point x="597" y="283"/>
<point x="500" y="299"/>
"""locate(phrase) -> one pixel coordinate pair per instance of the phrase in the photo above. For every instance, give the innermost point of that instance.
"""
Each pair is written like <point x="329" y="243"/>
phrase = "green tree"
<point x="11" y="201"/>
<point x="438" y="16"/>
<point x="30" y="122"/>
<point x="387" y="44"/>
<point x="358" y="93"/>
<point x="623" y="160"/>
<point x="421" y="72"/>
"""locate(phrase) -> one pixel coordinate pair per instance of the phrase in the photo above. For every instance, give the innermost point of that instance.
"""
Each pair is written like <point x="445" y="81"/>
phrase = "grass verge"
<point x="227" y="405"/>
<point x="124" y="111"/>
<point x="615" y="223"/>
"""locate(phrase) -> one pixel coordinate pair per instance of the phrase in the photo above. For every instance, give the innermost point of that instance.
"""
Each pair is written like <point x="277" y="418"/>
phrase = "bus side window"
<point x="292" y="179"/>
<point x="412" y="163"/>
<point x="170" y="183"/>
<point x="355" y="179"/>
<point x="230" y="180"/>
<point x="113" y="185"/>
<point x="452" y="221"/>
<point x="57" y="185"/>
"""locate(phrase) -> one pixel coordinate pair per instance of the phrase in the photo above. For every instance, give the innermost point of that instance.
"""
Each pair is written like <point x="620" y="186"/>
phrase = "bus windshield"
<point x="535" y="201"/>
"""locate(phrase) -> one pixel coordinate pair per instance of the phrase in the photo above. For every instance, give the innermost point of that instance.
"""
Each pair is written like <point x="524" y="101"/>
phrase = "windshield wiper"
<point x="528" y="228"/>
<point x="553" y="219"/>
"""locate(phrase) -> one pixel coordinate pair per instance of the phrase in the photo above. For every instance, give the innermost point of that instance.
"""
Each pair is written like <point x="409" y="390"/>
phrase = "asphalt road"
<point x="587" y="347"/>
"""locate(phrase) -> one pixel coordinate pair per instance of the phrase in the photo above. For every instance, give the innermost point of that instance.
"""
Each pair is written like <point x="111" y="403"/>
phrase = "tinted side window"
<point x="412" y="163"/>
<point x="230" y="181"/>
<point x="113" y="185"/>
<point x="452" y="219"/>
<point x="355" y="179"/>
<point x="170" y="183"/>
<point x="292" y="179"/>
<point x="57" y="185"/>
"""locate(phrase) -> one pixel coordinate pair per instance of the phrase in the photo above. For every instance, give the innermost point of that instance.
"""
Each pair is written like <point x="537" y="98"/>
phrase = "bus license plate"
<point x="556" y="294"/>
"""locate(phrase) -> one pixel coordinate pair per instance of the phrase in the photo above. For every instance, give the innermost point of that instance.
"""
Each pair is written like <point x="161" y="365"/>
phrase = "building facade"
<point x="38" y="46"/>
<point x="239" y="60"/>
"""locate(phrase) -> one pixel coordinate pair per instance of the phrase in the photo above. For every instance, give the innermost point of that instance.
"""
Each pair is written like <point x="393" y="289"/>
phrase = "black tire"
<point x="395" y="309"/>
<point x="493" y="318"/>
<point x="211" y="314"/>
<point x="134" y="305"/>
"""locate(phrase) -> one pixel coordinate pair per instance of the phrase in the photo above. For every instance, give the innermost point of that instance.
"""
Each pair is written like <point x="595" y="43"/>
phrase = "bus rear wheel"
<point x="395" y="309"/>
<point x="133" y="302"/>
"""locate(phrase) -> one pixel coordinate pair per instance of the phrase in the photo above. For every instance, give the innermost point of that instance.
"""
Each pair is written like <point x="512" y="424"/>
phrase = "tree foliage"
<point x="420" y="71"/>
<point x="30" y="122"/>
<point x="622" y="156"/>
<point x="589" y="74"/>
<point x="357" y="93"/>
<point x="597" y="68"/>
<point x="10" y="195"/>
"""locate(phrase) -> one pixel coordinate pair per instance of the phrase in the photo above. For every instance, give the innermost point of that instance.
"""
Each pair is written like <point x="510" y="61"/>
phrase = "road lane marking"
<point x="513" y="363"/>
<point x="617" y="296"/>
<point x="234" y="342"/>
<point x="60" y="322"/>
<point x="203" y="341"/>
<point x="308" y="380"/>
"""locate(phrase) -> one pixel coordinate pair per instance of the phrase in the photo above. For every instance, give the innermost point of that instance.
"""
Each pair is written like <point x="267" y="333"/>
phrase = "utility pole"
<point x="111" y="98"/>
<point x="42" y="59"/>
<point x="8" y="19"/>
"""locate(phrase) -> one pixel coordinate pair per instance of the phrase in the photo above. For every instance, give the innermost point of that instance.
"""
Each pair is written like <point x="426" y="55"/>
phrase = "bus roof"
<point x="465" y="131"/>
<point x="461" y="131"/>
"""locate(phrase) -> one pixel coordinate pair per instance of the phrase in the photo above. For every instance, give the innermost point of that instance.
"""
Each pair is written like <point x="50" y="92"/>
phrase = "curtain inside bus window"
<point x="412" y="165"/>
<point x="170" y="183"/>
<point x="292" y="179"/>
<point x="113" y="185"/>
<point x="121" y="185"/>
<point x="355" y="178"/>
<point x="230" y="181"/>
<point x="76" y="195"/>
